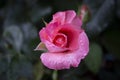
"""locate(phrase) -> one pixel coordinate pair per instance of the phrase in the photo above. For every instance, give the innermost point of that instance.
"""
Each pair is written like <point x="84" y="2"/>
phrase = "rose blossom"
<point x="65" y="41"/>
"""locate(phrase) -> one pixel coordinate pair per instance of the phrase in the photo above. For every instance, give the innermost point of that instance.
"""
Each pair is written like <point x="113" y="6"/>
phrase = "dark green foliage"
<point x="111" y="41"/>
<point x="94" y="59"/>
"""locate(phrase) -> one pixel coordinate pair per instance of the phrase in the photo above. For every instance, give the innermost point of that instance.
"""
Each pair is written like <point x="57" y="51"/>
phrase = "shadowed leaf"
<point x="14" y="36"/>
<point x="94" y="58"/>
<point x="111" y="41"/>
<point x="38" y="71"/>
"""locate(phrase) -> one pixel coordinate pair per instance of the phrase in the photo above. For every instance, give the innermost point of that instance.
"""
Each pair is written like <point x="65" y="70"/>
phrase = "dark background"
<point x="21" y="20"/>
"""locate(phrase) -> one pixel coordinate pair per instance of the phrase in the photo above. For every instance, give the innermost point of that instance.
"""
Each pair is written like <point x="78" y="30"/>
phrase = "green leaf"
<point x="94" y="58"/>
<point x="29" y="31"/>
<point x="38" y="71"/>
<point x="41" y="46"/>
<point x="3" y="64"/>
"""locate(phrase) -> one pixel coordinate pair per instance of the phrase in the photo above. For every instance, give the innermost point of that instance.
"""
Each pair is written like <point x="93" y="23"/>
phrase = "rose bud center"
<point x="60" y="40"/>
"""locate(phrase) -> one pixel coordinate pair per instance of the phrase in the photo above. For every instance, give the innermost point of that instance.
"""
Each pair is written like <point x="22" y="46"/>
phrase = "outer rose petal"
<point x="66" y="60"/>
<point x="73" y="19"/>
<point x="52" y="29"/>
<point x="59" y="17"/>
<point x="67" y="17"/>
<point x="43" y="35"/>
<point x="70" y="14"/>
<point x="77" y="22"/>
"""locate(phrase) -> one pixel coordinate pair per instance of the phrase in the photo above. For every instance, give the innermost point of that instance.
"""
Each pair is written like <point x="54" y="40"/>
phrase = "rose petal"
<point x="53" y="48"/>
<point x="47" y="39"/>
<point x="77" y="22"/>
<point x="43" y="35"/>
<point x="48" y="33"/>
<point x="60" y="40"/>
<point x="66" y="60"/>
<point x="83" y="44"/>
<point x="47" y="36"/>
<point x="72" y="35"/>
<point x="59" y="61"/>
<point x="59" y="17"/>
<point x="66" y="17"/>
<point x="70" y="14"/>
<point x="52" y="29"/>
<point x="71" y="32"/>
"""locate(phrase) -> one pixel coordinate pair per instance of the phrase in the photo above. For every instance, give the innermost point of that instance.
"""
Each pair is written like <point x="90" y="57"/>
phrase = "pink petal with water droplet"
<point x="68" y="59"/>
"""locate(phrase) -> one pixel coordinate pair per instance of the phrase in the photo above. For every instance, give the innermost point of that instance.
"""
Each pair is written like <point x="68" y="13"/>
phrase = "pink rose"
<point x="65" y="40"/>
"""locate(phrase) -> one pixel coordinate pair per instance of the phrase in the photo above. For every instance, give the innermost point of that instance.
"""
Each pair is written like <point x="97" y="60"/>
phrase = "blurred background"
<point x="21" y="20"/>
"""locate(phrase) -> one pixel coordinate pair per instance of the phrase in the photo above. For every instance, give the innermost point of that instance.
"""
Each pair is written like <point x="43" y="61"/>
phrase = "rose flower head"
<point x="65" y="40"/>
